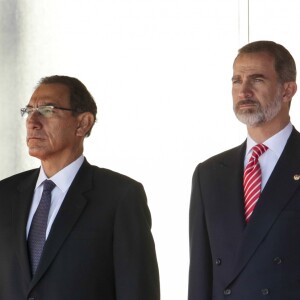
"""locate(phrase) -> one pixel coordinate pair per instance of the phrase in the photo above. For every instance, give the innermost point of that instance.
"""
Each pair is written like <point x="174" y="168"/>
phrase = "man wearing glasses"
<point x="70" y="230"/>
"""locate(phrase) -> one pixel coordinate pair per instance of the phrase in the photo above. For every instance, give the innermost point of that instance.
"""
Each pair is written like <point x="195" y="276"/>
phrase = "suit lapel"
<point x="230" y="212"/>
<point x="276" y="195"/>
<point x="70" y="210"/>
<point x="21" y="206"/>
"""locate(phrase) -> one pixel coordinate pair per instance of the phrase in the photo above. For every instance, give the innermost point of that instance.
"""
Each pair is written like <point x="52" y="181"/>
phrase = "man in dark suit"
<point x="248" y="248"/>
<point x="97" y="241"/>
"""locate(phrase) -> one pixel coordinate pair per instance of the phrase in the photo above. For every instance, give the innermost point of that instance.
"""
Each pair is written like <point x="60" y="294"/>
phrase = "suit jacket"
<point x="100" y="245"/>
<point x="232" y="260"/>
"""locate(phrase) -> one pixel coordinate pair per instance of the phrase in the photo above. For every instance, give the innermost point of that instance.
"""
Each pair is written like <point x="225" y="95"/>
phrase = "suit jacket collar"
<point x="20" y="207"/>
<point x="229" y="180"/>
<point x="71" y="208"/>
<point x="276" y="195"/>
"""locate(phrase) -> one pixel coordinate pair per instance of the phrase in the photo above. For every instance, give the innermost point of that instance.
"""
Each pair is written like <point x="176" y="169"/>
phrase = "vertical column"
<point x="243" y="22"/>
<point x="10" y="86"/>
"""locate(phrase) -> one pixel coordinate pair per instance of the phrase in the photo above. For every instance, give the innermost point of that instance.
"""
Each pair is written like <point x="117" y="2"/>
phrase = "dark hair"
<point x="285" y="65"/>
<point x="81" y="99"/>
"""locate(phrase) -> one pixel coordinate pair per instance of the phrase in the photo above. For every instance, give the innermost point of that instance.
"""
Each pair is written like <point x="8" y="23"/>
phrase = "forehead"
<point x="250" y="63"/>
<point x="53" y="93"/>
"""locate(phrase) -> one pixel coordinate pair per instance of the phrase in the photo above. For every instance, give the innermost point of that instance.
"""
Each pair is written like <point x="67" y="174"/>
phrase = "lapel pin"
<point x="296" y="177"/>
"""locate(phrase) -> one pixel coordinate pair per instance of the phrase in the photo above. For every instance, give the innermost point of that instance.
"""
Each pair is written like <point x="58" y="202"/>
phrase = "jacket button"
<point x="265" y="292"/>
<point x="227" y="292"/>
<point x="218" y="261"/>
<point x="277" y="260"/>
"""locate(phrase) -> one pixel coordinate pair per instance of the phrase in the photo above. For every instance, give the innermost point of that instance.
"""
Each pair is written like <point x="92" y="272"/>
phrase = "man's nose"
<point x="33" y="119"/>
<point x="245" y="91"/>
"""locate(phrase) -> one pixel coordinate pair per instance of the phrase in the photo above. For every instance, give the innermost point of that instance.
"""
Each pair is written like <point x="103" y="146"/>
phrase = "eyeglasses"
<point x="44" y="110"/>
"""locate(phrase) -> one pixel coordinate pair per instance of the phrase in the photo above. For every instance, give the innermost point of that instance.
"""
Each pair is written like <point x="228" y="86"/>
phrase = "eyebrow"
<point x="252" y="76"/>
<point x="48" y="104"/>
<point x="257" y="75"/>
<point x="47" y="100"/>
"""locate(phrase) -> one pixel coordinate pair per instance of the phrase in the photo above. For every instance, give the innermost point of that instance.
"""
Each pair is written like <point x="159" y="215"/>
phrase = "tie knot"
<point x="48" y="185"/>
<point x="258" y="150"/>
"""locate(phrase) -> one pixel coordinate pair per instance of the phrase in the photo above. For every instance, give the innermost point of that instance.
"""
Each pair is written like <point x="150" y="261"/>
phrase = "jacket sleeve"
<point x="135" y="263"/>
<point x="200" y="271"/>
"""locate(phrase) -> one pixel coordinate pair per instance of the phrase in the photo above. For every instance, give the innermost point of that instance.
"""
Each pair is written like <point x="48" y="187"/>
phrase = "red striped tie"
<point x="252" y="180"/>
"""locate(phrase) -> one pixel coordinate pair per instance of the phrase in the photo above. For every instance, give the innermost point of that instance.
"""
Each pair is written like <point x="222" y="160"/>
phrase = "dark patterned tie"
<point x="252" y="180"/>
<point x="37" y="232"/>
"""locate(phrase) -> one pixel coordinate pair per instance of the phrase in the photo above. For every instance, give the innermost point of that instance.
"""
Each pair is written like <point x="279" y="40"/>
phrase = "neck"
<point x="51" y="166"/>
<point x="263" y="132"/>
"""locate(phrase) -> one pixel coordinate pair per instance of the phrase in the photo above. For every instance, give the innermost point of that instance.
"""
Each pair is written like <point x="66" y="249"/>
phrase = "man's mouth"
<point x="246" y="104"/>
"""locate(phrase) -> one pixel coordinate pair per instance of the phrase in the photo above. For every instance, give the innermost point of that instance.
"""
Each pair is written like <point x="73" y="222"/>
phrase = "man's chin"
<point x="250" y="120"/>
<point x="35" y="152"/>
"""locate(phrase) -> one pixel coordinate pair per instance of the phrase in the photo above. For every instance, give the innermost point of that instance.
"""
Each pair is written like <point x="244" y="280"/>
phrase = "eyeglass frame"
<point x="24" y="110"/>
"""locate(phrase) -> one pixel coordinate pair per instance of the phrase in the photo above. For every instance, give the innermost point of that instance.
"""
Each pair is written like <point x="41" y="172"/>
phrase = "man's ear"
<point x="290" y="89"/>
<point x="86" y="121"/>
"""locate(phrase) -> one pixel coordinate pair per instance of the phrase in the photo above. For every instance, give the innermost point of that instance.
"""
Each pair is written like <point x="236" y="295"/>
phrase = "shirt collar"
<point x="275" y="143"/>
<point x="64" y="177"/>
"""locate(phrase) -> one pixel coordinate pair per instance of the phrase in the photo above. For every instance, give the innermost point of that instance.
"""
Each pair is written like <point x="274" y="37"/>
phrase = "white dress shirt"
<point x="62" y="180"/>
<point x="268" y="160"/>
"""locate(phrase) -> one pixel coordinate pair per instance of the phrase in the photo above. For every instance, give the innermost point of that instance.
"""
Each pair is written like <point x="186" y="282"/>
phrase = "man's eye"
<point x="258" y="79"/>
<point x="236" y="81"/>
<point x="46" y="110"/>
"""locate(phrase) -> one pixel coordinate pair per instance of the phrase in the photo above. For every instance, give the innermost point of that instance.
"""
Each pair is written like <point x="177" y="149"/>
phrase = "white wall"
<point x="160" y="72"/>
